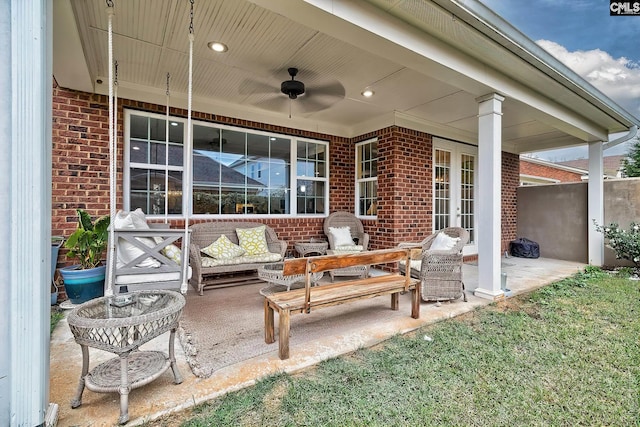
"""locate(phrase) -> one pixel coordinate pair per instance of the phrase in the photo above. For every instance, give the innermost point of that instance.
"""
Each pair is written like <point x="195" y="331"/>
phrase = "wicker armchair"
<point x="359" y="237"/>
<point x="440" y="271"/>
<point x="344" y="219"/>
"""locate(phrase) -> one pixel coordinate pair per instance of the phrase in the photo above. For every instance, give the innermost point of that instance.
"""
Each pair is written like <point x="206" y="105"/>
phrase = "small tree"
<point x="626" y="244"/>
<point x="631" y="165"/>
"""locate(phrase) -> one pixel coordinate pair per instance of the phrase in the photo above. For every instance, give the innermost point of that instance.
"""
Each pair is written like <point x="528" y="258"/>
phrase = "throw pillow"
<point x="253" y="240"/>
<point x="223" y="248"/>
<point x="127" y="251"/>
<point x="173" y="253"/>
<point x="444" y="242"/>
<point x="341" y="236"/>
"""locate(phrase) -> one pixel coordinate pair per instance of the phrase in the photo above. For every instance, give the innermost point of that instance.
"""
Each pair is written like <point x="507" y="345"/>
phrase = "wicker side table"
<point x="120" y="324"/>
<point x="312" y="247"/>
<point x="358" y="270"/>
<point x="272" y="273"/>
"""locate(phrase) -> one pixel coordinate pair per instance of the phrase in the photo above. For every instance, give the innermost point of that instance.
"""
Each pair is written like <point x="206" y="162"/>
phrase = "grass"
<point x="565" y="355"/>
<point x="56" y="315"/>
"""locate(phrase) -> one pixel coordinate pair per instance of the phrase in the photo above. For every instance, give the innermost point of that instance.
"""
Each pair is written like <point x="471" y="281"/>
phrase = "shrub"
<point x="626" y="244"/>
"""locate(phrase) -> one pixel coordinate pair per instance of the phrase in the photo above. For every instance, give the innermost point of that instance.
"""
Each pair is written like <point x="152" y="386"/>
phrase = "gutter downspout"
<point x="633" y="132"/>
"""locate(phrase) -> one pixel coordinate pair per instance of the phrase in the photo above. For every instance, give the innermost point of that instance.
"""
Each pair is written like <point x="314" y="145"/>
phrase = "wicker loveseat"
<point x="211" y="272"/>
<point x="439" y="271"/>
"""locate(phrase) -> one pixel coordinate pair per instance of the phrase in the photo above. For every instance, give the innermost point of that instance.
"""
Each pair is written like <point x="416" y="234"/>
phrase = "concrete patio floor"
<point x="162" y="397"/>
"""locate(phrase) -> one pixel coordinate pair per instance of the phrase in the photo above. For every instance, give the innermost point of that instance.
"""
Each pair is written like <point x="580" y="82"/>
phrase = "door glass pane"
<point x="467" y="189"/>
<point x="442" y="188"/>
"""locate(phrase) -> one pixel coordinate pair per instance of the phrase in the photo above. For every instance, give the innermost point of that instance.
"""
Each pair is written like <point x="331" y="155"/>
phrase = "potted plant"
<point x="85" y="281"/>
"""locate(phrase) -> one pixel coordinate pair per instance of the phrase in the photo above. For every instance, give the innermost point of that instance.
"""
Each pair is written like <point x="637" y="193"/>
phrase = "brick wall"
<point x="510" y="183"/>
<point x="80" y="173"/>
<point x="404" y="186"/>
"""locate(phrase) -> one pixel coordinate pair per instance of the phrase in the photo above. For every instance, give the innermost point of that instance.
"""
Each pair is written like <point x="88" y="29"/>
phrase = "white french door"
<point x="454" y="188"/>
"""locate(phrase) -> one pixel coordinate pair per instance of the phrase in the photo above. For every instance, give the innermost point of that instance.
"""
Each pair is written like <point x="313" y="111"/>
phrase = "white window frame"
<point x="187" y="207"/>
<point x="296" y="177"/>
<point x="128" y="165"/>
<point x="358" y="181"/>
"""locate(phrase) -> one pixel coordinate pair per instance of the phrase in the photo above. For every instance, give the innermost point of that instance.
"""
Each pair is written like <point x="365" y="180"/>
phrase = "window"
<point x="235" y="171"/>
<point x="367" y="178"/>
<point x="311" y="179"/>
<point x="153" y="181"/>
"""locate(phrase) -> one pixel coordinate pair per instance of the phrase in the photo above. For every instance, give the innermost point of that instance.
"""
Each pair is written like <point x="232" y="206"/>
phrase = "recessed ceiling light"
<point x="217" y="47"/>
<point x="367" y="93"/>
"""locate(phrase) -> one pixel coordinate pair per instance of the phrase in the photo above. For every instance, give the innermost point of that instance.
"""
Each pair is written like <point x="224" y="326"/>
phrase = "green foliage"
<point x="56" y="316"/>
<point x="88" y="243"/>
<point x="631" y="165"/>
<point x="626" y="244"/>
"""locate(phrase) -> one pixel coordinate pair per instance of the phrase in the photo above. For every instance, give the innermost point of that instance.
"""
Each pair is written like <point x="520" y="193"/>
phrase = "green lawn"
<point x="565" y="355"/>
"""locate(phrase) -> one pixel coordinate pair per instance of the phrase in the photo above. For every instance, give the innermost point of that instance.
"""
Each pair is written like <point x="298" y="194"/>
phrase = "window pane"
<point x="311" y="159"/>
<point x="310" y="197"/>
<point x="206" y="200"/>
<point x="366" y="177"/>
<point x="442" y="184"/>
<point x="148" y="191"/>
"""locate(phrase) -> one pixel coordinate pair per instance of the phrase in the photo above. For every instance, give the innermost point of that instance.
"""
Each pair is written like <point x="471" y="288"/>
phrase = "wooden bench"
<point x="310" y="297"/>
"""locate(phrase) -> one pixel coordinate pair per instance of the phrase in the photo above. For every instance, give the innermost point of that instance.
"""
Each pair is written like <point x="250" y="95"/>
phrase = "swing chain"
<point x="109" y="3"/>
<point x="191" y="18"/>
<point x="115" y="73"/>
<point x="168" y="76"/>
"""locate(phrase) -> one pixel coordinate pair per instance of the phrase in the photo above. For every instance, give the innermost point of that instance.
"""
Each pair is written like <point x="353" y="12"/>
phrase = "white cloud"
<point x="619" y="79"/>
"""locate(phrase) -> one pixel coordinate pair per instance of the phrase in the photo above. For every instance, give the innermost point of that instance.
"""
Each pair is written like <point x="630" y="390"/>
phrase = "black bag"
<point x="524" y="248"/>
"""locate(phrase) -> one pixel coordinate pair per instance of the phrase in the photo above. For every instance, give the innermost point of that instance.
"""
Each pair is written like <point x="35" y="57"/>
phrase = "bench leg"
<point x="268" y="323"/>
<point x="415" y="302"/>
<point x="395" y="301"/>
<point x="283" y="343"/>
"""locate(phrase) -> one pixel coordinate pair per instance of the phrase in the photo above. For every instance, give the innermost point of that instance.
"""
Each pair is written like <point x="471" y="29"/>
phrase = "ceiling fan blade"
<point x="254" y="87"/>
<point x="334" y="89"/>
<point x="312" y="105"/>
<point x="276" y="103"/>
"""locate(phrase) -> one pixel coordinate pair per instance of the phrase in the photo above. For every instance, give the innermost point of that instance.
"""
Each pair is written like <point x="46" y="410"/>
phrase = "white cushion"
<point x="443" y="242"/>
<point x="253" y="240"/>
<point x="223" y="248"/>
<point x="130" y="279"/>
<point x="349" y="248"/>
<point x="245" y="259"/>
<point x="341" y="236"/>
<point x="127" y="252"/>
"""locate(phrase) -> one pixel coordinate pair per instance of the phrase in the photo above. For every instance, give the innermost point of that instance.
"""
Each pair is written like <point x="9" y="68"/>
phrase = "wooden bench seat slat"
<point x="314" y="297"/>
<point x="320" y="295"/>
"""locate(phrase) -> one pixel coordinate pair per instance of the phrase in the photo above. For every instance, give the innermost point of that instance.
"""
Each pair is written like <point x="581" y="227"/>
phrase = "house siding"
<point x="80" y="173"/>
<point x="542" y="171"/>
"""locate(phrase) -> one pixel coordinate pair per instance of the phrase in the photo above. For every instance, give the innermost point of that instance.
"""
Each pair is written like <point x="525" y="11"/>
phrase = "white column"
<point x="25" y="210"/>
<point x="489" y="195"/>
<point x="595" y="197"/>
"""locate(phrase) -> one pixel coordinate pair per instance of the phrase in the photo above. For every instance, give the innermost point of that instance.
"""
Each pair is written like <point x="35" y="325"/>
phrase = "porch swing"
<point x="141" y="255"/>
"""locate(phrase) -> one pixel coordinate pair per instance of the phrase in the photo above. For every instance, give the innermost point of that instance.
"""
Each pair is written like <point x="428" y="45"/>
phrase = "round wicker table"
<point x="120" y="324"/>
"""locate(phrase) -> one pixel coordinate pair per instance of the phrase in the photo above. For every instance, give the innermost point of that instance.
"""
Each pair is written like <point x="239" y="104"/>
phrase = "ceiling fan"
<point x="293" y="88"/>
<point x="318" y="95"/>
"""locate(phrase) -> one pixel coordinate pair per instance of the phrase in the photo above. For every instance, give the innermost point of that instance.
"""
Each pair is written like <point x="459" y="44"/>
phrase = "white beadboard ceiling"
<point x="336" y="61"/>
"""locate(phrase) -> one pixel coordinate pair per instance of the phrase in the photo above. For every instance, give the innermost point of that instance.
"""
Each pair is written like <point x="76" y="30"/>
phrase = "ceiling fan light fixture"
<point x="218" y="46"/>
<point x="293" y="88"/>
<point x="368" y="93"/>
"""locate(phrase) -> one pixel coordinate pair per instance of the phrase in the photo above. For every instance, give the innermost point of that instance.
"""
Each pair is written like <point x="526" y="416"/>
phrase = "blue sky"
<point x="603" y="49"/>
